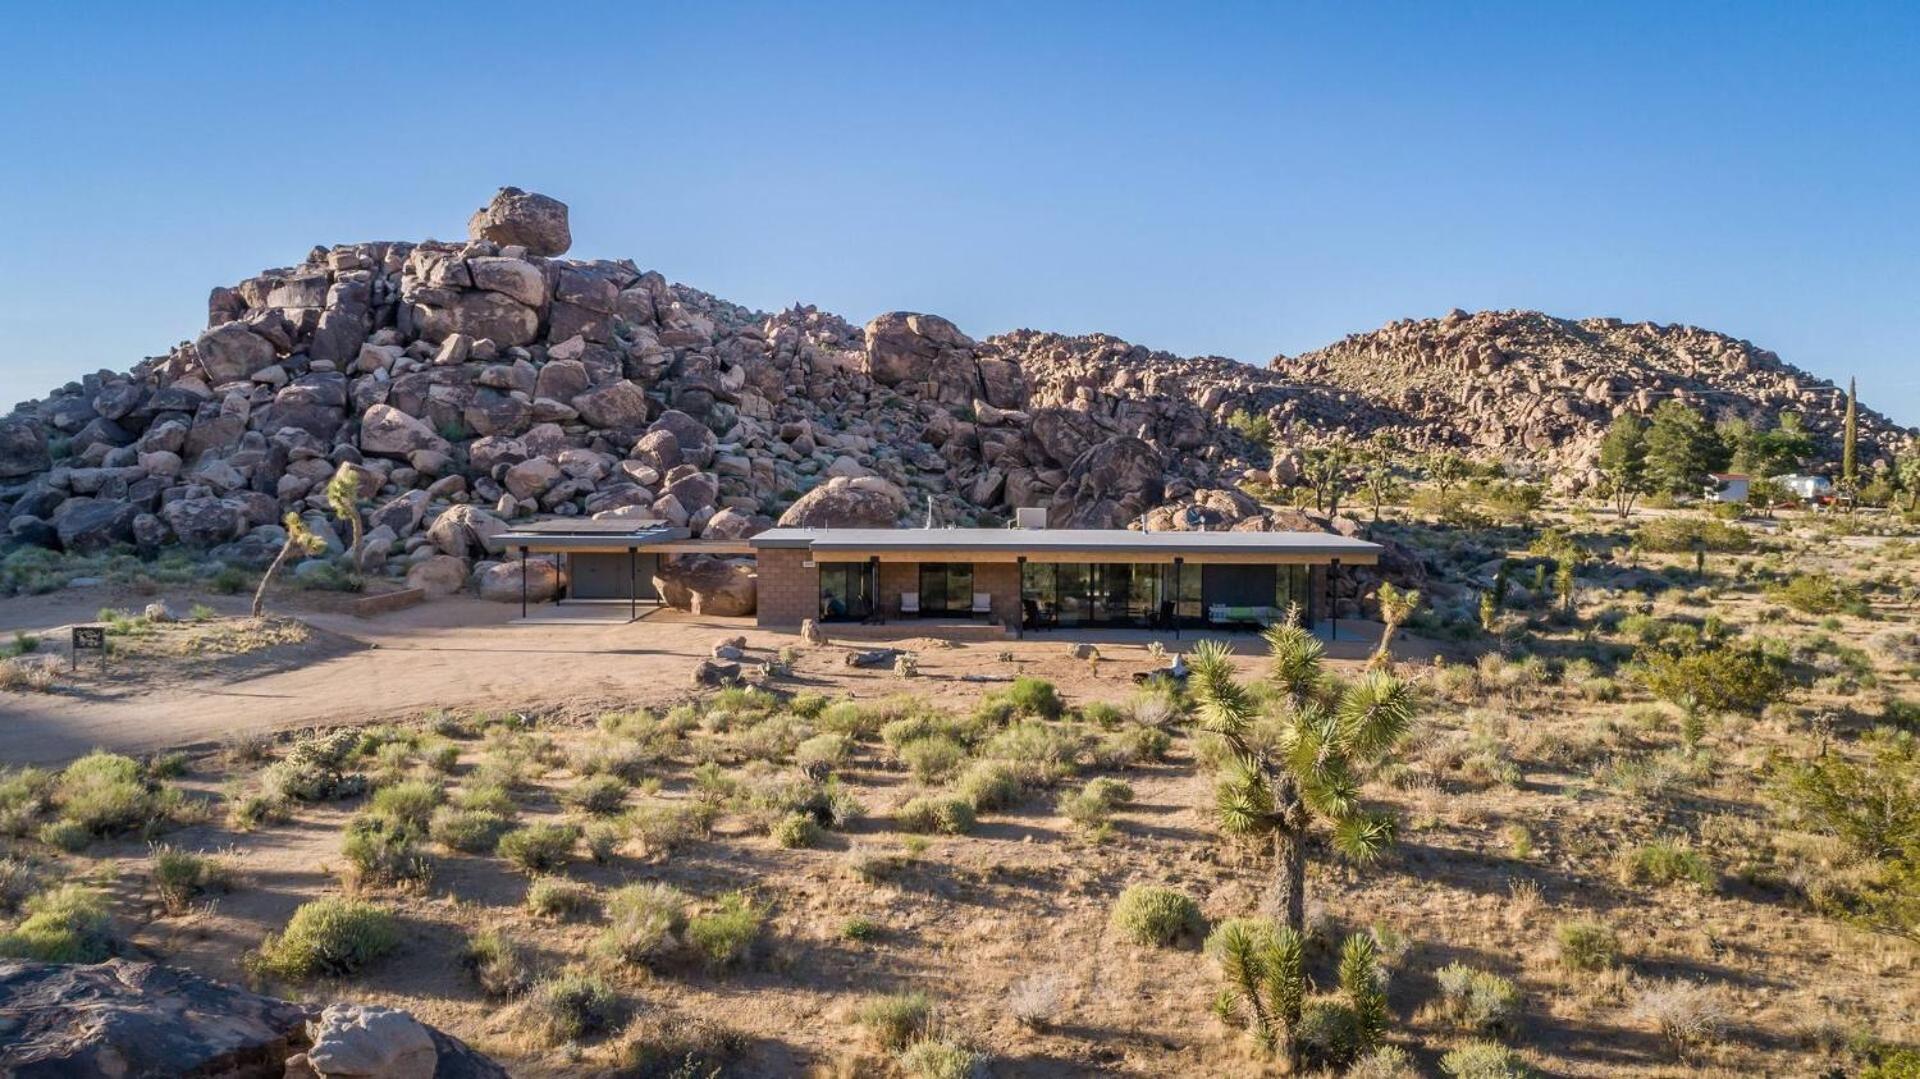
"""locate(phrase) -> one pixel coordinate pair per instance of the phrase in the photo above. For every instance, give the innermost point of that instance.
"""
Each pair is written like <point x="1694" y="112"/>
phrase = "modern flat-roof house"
<point x="1038" y="578"/>
<point x="608" y="560"/>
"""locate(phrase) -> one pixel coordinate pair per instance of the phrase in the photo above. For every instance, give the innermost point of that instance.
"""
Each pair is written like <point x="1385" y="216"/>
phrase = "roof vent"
<point x="1030" y="517"/>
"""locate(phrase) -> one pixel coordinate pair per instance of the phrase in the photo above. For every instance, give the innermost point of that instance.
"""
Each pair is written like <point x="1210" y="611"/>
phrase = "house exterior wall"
<point x="789" y="589"/>
<point x="895" y="578"/>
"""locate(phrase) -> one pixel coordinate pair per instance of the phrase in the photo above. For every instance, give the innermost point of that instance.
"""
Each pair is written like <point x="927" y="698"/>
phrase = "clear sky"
<point x="1240" y="179"/>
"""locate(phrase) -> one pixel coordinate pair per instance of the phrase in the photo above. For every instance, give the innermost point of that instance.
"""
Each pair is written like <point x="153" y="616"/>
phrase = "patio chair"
<point x="1035" y="618"/>
<point x="909" y="604"/>
<point x="983" y="603"/>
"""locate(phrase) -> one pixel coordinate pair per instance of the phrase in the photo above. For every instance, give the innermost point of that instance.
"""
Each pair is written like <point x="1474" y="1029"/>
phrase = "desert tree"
<point x="1445" y="469"/>
<point x="299" y="538"/>
<point x="1682" y="448"/>
<point x="1850" y="440"/>
<point x="1379" y="471"/>
<point x="1623" y="461"/>
<point x="1907" y="470"/>
<point x="1299" y="770"/>
<point x="1711" y="679"/>
<point x="1396" y="606"/>
<point x="1328" y="470"/>
<point x="1266" y="990"/>
<point x="343" y="497"/>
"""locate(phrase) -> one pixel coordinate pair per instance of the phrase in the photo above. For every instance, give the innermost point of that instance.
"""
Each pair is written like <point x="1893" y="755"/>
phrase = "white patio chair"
<point x="909" y="603"/>
<point x="983" y="603"/>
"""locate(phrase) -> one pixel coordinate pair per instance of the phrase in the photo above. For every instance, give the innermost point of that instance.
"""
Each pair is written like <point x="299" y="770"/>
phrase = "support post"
<point x="875" y="612"/>
<point x="1020" y="598"/>
<point x="1178" y="564"/>
<point x="1333" y="609"/>
<point x="633" y="591"/>
<point x="523" y="582"/>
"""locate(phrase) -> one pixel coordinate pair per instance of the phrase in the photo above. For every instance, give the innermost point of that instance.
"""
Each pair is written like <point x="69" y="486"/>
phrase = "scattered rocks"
<point x="709" y="672"/>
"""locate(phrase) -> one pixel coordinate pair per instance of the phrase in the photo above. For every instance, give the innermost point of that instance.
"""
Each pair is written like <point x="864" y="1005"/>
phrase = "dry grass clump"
<point x="941" y="1058"/>
<point x="539" y="848"/>
<point x="24" y="674"/>
<point x="1689" y="1015"/>
<point x="180" y="877"/>
<point x="558" y="897"/>
<point x="726" y="935"/>
<point x="1484" y="1060"/>
<point x="664" y="1044"/>
<point x="1036" y="1001"/>
<point x="68" y="924"/>
<point x="328" y="937"/>
<point x="1151" y="915"/>
<point x="646" y="923"/>
<point x="600" y="795"/>
<point x="1587" y="945"/>
<point x="572" y="1005"/>
<point x="1664" y="862"/>
<point x="1477" y="1000"/>
<point x="895" y="1020"/>
<point x="496" y="963"/>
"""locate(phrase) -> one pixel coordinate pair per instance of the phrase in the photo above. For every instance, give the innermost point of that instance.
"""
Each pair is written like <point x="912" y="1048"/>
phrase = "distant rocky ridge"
<point x="463" y="385"/>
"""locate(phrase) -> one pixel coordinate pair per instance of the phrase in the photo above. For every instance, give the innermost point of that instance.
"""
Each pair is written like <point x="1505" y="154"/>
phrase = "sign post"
<point x="93" y="637"/>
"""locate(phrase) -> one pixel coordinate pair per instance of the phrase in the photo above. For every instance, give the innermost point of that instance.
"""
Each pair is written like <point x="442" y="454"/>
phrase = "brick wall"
<point x="789" y="591"/>
<point x="895" y="578"/>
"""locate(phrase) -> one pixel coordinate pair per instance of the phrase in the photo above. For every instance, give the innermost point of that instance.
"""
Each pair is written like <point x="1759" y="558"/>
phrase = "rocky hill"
<point x="464" y="384"/>
<point x="1507" y="381"/>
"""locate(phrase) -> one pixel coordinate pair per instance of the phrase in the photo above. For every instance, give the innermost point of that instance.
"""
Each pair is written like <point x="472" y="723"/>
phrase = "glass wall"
<point x="846" y="591"/>
<point x="1141" y="594"/>
<point x="946" y="587"/>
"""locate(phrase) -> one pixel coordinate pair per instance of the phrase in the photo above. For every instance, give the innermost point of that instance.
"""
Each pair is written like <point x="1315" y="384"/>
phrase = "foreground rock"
<point x="121" y="1018"/>
<point x="702" y="584"/>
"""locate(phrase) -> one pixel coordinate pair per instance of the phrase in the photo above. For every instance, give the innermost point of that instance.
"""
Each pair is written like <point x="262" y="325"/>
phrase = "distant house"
<point x="1727" y="487"/>
<point x="1805" y="487"/>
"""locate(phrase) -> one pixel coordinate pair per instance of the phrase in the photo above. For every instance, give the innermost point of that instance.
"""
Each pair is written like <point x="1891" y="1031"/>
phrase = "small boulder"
<point x="711" y="673"/>
<point x="368" y="1041"/>
<point x="440" y="575"/>
<point x="515" y="217"/>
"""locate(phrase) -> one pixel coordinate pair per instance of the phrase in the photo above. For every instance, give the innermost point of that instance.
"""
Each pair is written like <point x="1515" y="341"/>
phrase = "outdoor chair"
<point x="909" y="604"/>
<point x="1035" y="619"/>
<point x="982" y="603"/>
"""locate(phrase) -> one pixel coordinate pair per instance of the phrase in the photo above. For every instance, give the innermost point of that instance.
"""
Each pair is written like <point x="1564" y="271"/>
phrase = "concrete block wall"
<point x="789" y="589"/>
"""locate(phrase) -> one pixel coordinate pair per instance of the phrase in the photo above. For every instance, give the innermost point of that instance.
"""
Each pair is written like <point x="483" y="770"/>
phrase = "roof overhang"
<point x="1069" y="545"/>
<point x="607" y="534"/>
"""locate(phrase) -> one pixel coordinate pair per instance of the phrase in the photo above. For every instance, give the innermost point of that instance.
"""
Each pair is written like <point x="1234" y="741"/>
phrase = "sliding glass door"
<point x="946" y="587"/>
<point x="846" y="591"/>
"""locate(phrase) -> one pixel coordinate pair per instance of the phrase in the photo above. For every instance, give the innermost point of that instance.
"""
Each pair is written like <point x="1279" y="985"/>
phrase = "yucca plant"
<point x="1267" y="990"/>
<point x="1277" y="784"/>
<point x="343" y="497"/>
<point x="299" y="538"/>
<point x="1396" y="606"/>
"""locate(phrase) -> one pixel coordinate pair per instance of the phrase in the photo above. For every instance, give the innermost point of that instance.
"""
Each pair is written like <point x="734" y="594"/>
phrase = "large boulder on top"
<point x="23" y="448"/>
<point x="1108" y="486"/>
<point x="906" y="347"/>
<point x="231" y="351"/>
<point x="842" y="502"/>
<point x="703" y="584"/>
<point x="535" y="222"/>
<point x="464" y="531"/>
<point x="386" y="431"/>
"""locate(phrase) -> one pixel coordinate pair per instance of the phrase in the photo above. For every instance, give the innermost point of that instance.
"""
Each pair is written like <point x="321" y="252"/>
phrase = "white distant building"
<point x="1727" y="487"/>
<point x="1806" y="488"/>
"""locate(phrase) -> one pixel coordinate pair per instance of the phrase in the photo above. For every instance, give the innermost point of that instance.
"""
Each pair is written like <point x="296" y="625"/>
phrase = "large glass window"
<point x="1290" y="586"/>
<point x="846" y="591"/>
<point x="946" y="587"/>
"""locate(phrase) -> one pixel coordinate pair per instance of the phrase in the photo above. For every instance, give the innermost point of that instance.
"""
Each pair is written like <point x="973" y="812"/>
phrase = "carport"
<point x="606" y="561"/>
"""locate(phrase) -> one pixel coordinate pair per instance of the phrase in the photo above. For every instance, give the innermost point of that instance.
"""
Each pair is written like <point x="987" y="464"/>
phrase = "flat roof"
<point x="1118" y="540"/>
<point x="564" y="532"/>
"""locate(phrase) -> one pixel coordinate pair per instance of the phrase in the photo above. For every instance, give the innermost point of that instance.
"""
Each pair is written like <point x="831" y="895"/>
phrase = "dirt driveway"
<point x="467" y="654"/>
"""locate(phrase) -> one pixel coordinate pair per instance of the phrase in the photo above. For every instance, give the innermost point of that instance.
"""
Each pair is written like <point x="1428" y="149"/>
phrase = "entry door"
<point x="605" y="576"/>
<point x="946" y="587"/>
<point x="846" y="591"/>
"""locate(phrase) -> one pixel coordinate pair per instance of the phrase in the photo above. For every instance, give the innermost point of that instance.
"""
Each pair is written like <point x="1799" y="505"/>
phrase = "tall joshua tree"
<point x="1301" y="770"/>
<point x="343" y="497"/>
<point x="1396" y="606"/>
<point x="299" y="538"/>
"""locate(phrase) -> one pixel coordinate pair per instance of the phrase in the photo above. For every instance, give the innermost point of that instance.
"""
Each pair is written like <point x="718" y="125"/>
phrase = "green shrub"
<point x="383" y="851"/>
<point x="850" y="718"/>
<point x="1587" y="946"/>
<point x="167" y="765"/>
<point x="860" y="928"/>
<point x="68" y="924"/>
<point x="1484" y="1060"/>
<point x="492" y="798"/>
<point x="1040" y="752"/>
<point x="673" y="1047"/>
<point x="988" y="785"/>
<point x="895" y="1020"/>
<point x="940" y="1058"/>
<point x="1819" y="593"/>
<point x="1148" y="914"/>
<point x="1665" y="862"/>
<point x="179" y="877"/>
<point x="573" y="1005"/>
<point x="328" y="937"/>
<point x="1386" y="1062"/>
<point x="645" y="923"/>
<point x="597" y="794"/>
<point x="25" y="793"/>
<point x="496" y="963"/>
<point x="558" y="897"/>
<point x="410" y="802"/>
<point x="807" y="705"/>
<point x="663" y="826"/>
<point x="726" y="935"/>
<point x="539" y="848"/>
<point x="1090" y="806"/>
<point x="602" y="838"/>
<point x="1477" y="999"/>
<point x="1684" y="535"/>
<point x="105" y="793"/>
<point x="1035" y="697"/>
<point x="822" y="752"/>
<point x="67" y="835"/>
<point x="936" y="813"/>
<point x="796" y="830"/>
<point x="932" y="758"/>
<point x="472" y="831"/>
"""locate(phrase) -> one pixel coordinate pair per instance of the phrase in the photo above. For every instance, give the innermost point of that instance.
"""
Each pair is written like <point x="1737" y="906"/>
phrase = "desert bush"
<point x="314" y="769"/>
<point x="895" y="1020"/>
<point x="492" y="798"/>
<point x="328" y="937"/>
<point x="539" y="848"/>
<point x="935" y="813"/>
<point x="796" y="830"/>
<point x="1664" y="862"/>
<point x="1819" y="594"/>
<point x="674" y="1047"/>
<point x="940" y="1058"/>
<point x="1684" y="535"/>
<point x="1092" y="804"/>
<point x="1688" y="1015"/>
<point x="1035" y="1000"/>
<point x="68" y="924"/>
<point x="1872" y="806"/>
<point x="180" y="877"/>
<point x="1477" y="1000"/>
<point x="25" y="793"/>
<point x="725" y="936"/>
<point x="573" y="1005"/>
<point x="558" y="897"/>
<point x="472" y="831"/>
<point x="600" y="795"/>
<point x="932" y="758"/>
<point x="1484" y="1060"/>
<point x="662" y="826"/>
<point x="988" y="785"/>
<point x="18" y="881"/>
<point x="1152" y="915"/>
<point x="1040" y="753"/>
<point x="410" y="802"/>
<point x="645" y="923"/>
<point x="383" y="851"/>
<point x="105" y="794"/>
<point x="852" y="719"/>
<point x="1035" y="697"/>
<point x="822" y="753"/>
<point x="496" y="963"/>
<point x="602" y="839"/>
<point x="1587" y="945"/>
<point x="1386" y="1062"/>
<point x="67" y="835"/>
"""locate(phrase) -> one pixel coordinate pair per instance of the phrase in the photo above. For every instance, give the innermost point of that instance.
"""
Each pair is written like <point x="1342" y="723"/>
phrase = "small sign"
<point x="94" y="637"/>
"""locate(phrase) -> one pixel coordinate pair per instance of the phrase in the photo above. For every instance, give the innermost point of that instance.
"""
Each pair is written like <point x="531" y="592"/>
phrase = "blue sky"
<point x="1240" y="179"/>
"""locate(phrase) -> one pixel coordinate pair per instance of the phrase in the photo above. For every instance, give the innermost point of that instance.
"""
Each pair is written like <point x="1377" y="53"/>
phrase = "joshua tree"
<point x="1396" y="606"/>
<point x="299" y="537"/>
<point x="1328" y="470"/>
<point x="1267" y="985"/>
<point x="1563" y="586"/>
<point x="343" y="497"/>
<point x="1445" y="470"/>
<point x="1304" y="765"/>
